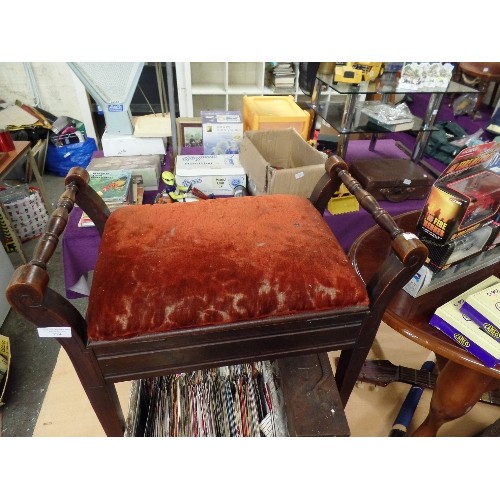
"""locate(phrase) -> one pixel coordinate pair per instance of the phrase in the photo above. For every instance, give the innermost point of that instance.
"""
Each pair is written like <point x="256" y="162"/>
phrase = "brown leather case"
<point x="392" y="179"/>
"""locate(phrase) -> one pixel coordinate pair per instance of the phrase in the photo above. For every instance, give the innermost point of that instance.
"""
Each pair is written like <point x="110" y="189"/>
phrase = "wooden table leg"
<point x="457" y="390"/>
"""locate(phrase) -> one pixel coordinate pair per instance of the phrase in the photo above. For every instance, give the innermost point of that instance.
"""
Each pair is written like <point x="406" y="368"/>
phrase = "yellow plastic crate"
<point x="274" y="113"/>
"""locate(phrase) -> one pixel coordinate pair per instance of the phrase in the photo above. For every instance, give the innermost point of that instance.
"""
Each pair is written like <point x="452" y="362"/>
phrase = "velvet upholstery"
<point x="185" y="265"/>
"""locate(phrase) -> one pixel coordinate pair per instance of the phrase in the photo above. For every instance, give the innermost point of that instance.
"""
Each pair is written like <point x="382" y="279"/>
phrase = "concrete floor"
<point x="33" y="358"/>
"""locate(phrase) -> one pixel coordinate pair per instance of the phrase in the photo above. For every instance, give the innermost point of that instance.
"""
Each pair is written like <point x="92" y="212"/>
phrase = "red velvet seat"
<point x="190" y="265"/>
<point x="186" y="286"/>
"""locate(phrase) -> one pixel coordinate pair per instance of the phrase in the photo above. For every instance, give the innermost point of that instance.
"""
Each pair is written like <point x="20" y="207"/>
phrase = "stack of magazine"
<point x="472" y="320"/>
<point x="281" y="76"/>
<point x="114" y="186"/>
<point x="230" y="401"/>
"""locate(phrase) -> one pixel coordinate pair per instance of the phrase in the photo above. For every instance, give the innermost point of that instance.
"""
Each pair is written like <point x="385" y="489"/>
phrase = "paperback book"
<point x="461" y="329"/>
<point x="483" y="307"/>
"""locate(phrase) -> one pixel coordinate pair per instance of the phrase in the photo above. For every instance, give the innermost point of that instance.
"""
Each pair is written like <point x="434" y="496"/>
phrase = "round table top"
<point x="410" y="315"/>
<point x="489" y="70"/>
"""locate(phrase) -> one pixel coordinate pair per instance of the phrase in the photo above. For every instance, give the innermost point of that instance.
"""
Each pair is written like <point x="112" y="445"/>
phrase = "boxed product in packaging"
<point x="221" y="131"/>
<point x="211" y="174"/>
<point x="466" y="246"/>
<point x="147" y="166"/>
<point x="275" y="113"/>
<point x="4" y="365"/>
<point x="464" y="197"/>
<point x="129" y="145"/>
<point x="280" y="161"/>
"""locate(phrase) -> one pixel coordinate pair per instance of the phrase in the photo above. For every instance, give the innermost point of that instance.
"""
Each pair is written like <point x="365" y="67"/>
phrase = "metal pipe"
<point x="28" y="69"/>
<point x="171" y="105"/>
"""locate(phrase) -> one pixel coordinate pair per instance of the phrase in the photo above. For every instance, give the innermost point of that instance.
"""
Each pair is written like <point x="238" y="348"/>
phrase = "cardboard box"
<point x="459" y="249"/>
<point x="212" y="174"/>
<point x="129" y="145"/>
<point x="147" y="166"/>
<point x="222" y="132"/>
<point x="426" y="280"/>
<point x="464" y="197"/>
<point x="280" y="161"/>
<point x="4" y="365"/>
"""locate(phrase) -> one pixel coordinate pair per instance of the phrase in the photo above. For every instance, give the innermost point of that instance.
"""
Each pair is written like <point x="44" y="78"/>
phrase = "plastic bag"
<point x="464" y="105"/>
<point x="469" y="140"/>
<point x="59" y="160"/>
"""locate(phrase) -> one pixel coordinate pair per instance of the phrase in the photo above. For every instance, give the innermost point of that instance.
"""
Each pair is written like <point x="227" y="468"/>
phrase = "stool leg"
<point x="457" y="390"/>
<point x="101" y="393"/>
<point x="347" y="371"/>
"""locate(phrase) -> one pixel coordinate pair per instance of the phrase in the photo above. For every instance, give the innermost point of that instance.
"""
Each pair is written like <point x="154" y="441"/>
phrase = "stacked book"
<point x="282" y="76"/>
<point x="472" y="320"/>
<point x="114" y="186"/>
<point x="388" y="117"/>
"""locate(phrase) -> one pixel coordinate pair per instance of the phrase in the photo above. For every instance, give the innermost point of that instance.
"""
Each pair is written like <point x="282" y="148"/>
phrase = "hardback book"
<point x="483" y="307"/>
<point x="461" y="329"/>
<point x="115" y="187"/>
<point x="387" y="115"/>
<point x="391" y="127"/>
<point x="112" y="185"/>
<point x="85" y="221"/>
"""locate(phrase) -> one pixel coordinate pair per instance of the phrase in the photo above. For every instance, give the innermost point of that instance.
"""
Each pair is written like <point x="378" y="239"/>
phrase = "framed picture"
<point x="189" y="132"/>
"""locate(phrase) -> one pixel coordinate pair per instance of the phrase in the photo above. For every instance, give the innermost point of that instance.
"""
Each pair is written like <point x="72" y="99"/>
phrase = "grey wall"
<point x="51" y="86"/>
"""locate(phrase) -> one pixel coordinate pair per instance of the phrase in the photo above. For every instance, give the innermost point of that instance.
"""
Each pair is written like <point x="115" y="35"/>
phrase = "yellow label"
<point x="461" y="340"/>
<point x="491" y="330"/>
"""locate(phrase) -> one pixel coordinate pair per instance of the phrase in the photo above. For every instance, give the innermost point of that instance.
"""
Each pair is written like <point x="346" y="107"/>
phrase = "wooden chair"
<point x="185" y="286"/>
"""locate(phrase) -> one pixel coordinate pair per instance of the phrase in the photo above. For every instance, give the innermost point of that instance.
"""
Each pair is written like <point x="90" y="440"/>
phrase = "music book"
<point x="449" y="319"/>
<point x="115" y="187"/>
<point x="483" y="308"/>
<point x="391" y="127"/>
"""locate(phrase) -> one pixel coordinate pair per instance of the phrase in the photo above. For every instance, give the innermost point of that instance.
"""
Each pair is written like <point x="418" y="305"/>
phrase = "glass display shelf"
<point x="332" y="113"/>
<point x="340" y="106"/>
<point x="387" y="84"/>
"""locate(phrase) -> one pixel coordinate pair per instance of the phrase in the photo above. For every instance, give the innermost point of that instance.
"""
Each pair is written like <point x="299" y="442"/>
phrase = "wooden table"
<point x="462" y="378"/>
<point x="11" y="160"/>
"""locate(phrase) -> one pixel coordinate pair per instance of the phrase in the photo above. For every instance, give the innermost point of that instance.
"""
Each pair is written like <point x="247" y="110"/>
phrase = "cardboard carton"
<point x="4" y="365"/>
<point x="280" y="161"/>
<point x="211" y="174"/>
<point x="465" y="197"/>
<point x="222" y="132"/>
<point x="129" y="145"/>
<point x="147" y="166"/>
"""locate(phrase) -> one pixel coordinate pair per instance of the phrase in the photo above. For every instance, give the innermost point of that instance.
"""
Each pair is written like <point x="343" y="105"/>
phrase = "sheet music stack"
<point x="282" y="77"/>
<point x="231" y="401"/>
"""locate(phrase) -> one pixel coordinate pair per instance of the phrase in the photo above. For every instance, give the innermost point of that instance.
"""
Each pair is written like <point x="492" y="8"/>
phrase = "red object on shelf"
<point x="6" y="142"/>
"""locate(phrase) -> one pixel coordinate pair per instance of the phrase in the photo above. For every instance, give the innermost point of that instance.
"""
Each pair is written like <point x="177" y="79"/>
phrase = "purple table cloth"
<point x="80" y="245"/>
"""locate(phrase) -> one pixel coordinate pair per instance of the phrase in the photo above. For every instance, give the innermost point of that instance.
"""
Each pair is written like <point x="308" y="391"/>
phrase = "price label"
<point x="55" y="331"/>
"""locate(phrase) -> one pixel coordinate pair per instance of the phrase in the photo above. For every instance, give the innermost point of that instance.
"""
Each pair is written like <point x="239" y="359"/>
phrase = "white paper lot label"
<point x="55" y="331"/>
